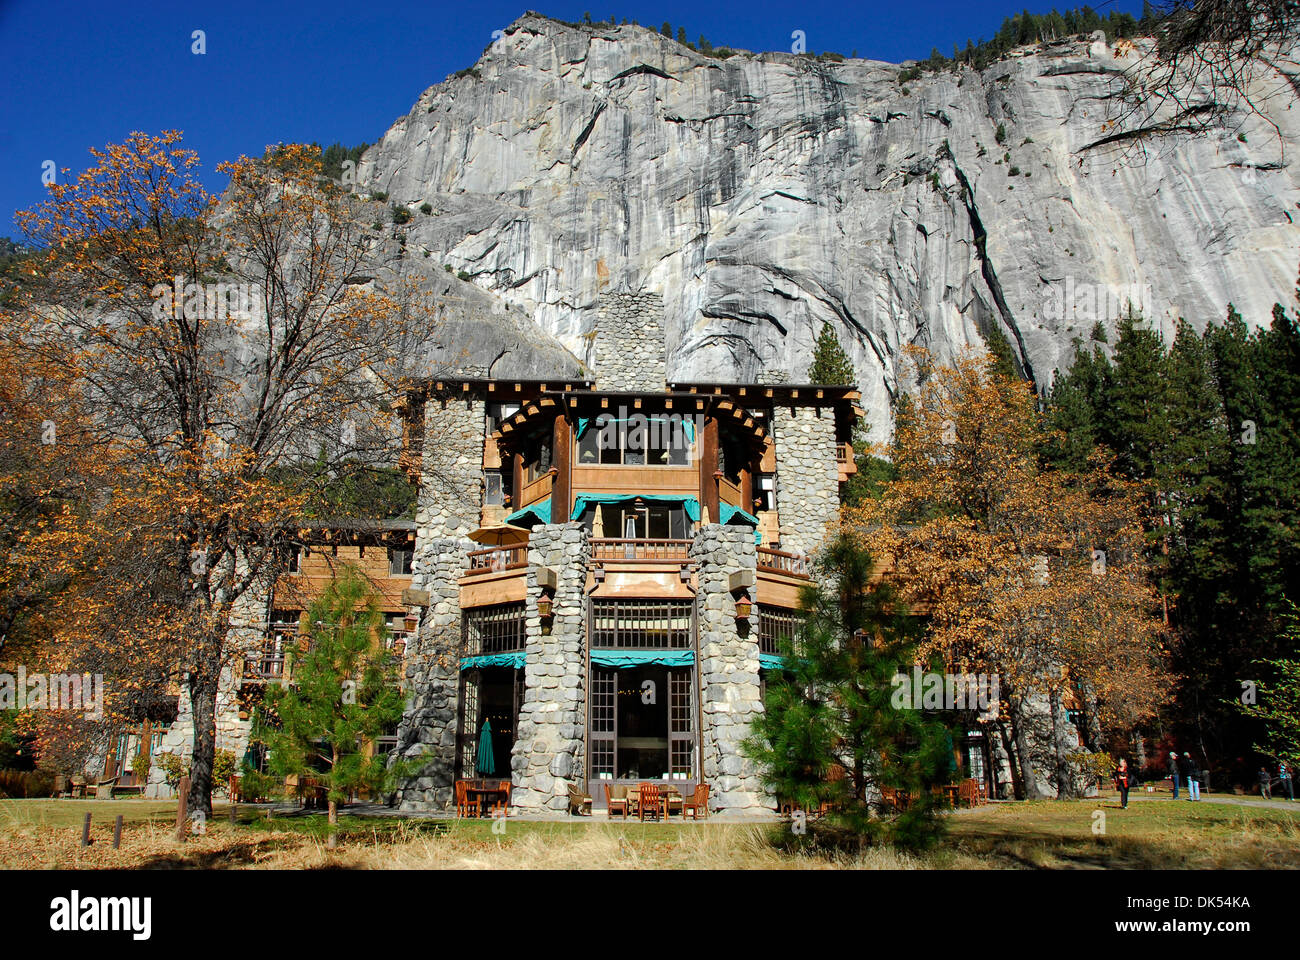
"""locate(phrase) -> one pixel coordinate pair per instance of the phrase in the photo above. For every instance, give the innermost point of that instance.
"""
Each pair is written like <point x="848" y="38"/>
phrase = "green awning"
<point x="584" y="500"/>
<point x="771" y="661"/>
<point x="541" y="510"/>
<point x="515" y="660"/>
<point x="638" y="658"/>
<point x="728" y="513"/>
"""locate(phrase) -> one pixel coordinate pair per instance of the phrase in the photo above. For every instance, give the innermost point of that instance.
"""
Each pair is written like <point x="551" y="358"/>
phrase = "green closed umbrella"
<point x="486" y="763"/>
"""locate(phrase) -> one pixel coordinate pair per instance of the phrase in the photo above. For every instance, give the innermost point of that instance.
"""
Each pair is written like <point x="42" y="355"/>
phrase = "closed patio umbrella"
<point x="486" y="762"/>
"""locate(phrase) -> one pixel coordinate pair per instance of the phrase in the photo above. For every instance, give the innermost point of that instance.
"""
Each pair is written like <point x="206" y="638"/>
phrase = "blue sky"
<point x="82" y="74"/>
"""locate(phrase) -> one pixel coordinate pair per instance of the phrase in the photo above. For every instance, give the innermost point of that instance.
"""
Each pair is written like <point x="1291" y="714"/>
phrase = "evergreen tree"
<point x="1073" y="409"/>
<point x="835" y="707"/>
<point x="344" y="693"/>
<point x="1136" y="401"/>
<point x="830" y="364"/>
<point x="1002" y="360"/>
<point x="666" y="30"/>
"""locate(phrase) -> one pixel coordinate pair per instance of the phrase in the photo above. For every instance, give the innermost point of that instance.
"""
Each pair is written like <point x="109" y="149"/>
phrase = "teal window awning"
<point x="584" y="500"/>
<point x="639" y="658"/>
<point x="515" y="660"/>
<point x="541" y="510"/>
<point x="771" y="661"/>
<point x="727" y="513"/>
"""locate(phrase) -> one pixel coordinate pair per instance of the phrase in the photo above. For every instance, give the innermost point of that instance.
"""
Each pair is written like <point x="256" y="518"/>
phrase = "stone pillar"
<point x="451" y="470"/>
<point x="728" y="672"/>
<point x="807" y="479"/>
<point x="549" y="751"/>
<point x="428" y="726"/>
<point x="629" y="342"/>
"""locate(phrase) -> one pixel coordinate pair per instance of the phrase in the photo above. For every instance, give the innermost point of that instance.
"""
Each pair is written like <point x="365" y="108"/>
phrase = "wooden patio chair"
<point x="648" y="801"/>
<point x="463" y="800"/>
<point x="104" y="788"/>
<point x="698" y="802"/>
<point x="968" y="793"/>
<point x="616" y="800"/>
<point x="579" y="802"/>
<point x="671" y="800"/>
<point x="502" y="801"/>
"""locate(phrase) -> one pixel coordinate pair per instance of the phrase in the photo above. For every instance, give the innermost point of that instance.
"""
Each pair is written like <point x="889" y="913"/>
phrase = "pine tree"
<point x="1073" y="409"/>
<point x="1002" y="360"/>
<point x="835" y="707"/>
<point x="681" y="36"/>
<point x="830" y="364"/>
<point x="666" y="30"/>
<point x="344" y="693"/>
<point x="1136" y="421"/>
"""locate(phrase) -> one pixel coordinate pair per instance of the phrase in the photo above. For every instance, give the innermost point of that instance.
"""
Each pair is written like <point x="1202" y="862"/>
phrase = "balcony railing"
<point x="264" y="666"/>
<point x="640" y="549"/>
<point x="498" y="558"/>
<point x="791" y="564"/>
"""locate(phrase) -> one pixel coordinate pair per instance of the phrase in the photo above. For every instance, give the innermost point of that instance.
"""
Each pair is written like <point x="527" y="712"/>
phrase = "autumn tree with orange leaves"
<point x="1025" y="572"/>
<point x="227" y="356"/>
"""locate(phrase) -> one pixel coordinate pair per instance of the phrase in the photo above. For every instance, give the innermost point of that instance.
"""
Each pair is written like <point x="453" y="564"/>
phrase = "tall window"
<point x="497" y="629"/>
<point x="641" y="624"/>
<point x="657" y="440"/>
<point x="493" y="493"/>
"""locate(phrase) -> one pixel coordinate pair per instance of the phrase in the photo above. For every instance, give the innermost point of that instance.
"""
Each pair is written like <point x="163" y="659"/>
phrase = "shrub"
<point x="223" y="765"/>
<point x="1001" y="135"/>
<point x="426" y="208"/>
<point x="173" y="767"/>
<point x="379" y="196"/>
<point x="401" y="215"/>
<point x="141" y="763"/>
<point x="21" y="784"/>
<point x="462" y="275"/>
<point x="911" y="73"/>
<point x="1014" y="172"/>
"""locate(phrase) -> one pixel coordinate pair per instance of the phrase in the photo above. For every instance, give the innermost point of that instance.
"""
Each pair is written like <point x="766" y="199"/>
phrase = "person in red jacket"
<point x="1121" y="782"/>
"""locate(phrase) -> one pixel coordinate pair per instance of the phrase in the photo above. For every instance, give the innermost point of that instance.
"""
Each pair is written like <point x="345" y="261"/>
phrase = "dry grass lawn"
<point x="47" y="833"/>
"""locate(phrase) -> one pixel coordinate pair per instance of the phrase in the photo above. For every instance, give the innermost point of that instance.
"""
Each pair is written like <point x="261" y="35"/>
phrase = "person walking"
<point x="1284" y="780"/>
<point x="1121" y="782"/>
<point x="1192" y="775"/>
<point x="1265" y="783"/>
<point x="1173" y="771"/>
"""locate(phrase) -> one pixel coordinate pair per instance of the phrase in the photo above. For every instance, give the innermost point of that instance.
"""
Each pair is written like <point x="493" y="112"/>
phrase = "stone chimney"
<point x="629" y="344"/>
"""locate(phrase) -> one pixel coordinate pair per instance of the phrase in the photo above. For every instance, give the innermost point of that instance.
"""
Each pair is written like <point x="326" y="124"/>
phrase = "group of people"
<point x="1283" y="782"/>
<point x="1183" y="768"/>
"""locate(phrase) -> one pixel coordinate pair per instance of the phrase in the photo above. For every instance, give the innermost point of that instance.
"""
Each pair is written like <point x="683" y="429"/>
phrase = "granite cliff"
<point x="762" y="195"/>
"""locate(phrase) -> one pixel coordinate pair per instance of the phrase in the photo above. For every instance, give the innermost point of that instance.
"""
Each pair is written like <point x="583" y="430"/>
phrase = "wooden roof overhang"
<point x="341" y="532"/>
<point x="845" y="400"/>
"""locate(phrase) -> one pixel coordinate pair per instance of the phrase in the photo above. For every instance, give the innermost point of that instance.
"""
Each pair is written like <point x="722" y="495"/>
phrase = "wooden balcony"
<point x="265" y="665"/>
<point x="673" y="551"/>
<point x="496" y="559"/>
<point x="845" y="461"/>
<point x="729" y="493"/>
<point x="790" y="564"/>
<point x="538" y="490"/>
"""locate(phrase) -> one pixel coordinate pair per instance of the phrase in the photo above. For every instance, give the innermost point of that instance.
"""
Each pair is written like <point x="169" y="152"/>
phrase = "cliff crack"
<point x="980" y="235"/>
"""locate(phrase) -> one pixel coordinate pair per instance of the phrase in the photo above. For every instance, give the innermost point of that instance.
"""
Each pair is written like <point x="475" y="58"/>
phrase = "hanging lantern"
<point x="544" y="607"/>
<point x="744" y="607"/>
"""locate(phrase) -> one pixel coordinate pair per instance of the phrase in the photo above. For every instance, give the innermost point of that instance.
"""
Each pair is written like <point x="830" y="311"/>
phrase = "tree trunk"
<point x="333" y="840"/>
<point x="203" y="705"/>
<point x="1017" y="779"/>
